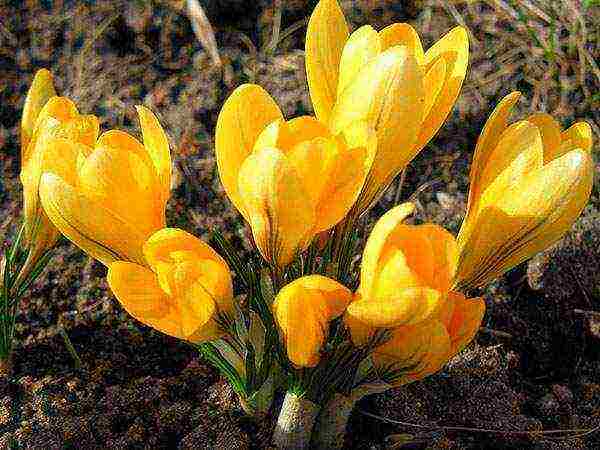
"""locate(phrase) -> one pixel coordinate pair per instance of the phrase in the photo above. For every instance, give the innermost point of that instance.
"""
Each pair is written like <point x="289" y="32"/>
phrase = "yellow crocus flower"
<point x="303" y="310"/>
<point x="47" y="122"/>
<point x="529" y="182"/>
<point x="385" y="78"/>
<point x="112" y="198"/>
<point x="405" y="287"/>
<point x="181" y="291"/>
<point x="289" y="179"/>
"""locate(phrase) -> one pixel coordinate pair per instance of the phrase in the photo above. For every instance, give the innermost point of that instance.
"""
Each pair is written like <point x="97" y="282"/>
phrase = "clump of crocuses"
<point x="306" y="321"/>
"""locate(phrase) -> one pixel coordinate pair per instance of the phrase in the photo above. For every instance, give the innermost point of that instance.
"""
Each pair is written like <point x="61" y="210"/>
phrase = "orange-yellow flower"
<point x="303" y="310"/>
<point x="181" y="291"/>
<point x="289" y="179"/>
<point x="111" y="196"/>
<point x="529" y="183"/>
<point x="405" y="287"/>
<point x="386" y="79"/>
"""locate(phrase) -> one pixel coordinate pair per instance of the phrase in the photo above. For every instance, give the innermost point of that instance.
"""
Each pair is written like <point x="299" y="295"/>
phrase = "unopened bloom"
<point x="385" y="78"/>
<point x="289" y="179"/>
<point x="181" y="291"/>
<point x="405" y="287"/>
<point x="47" y="122"/>
<point x="529" y="182"/>
<point x="111" y="196"/>
<point x="303" y="310"/>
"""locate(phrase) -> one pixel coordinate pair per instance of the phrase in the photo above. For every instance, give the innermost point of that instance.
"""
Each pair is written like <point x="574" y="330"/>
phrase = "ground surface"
<point x="535" y="367"/>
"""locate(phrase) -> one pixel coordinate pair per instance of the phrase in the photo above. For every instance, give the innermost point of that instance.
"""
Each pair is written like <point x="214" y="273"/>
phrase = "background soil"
<point x="536" y="364"/>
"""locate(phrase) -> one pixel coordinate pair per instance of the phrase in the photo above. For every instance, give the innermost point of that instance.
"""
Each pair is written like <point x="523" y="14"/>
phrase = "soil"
<point x="535" y="366"/>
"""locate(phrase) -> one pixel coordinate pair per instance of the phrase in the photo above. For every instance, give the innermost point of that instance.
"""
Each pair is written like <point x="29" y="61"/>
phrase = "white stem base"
<point x="295" y="423"/>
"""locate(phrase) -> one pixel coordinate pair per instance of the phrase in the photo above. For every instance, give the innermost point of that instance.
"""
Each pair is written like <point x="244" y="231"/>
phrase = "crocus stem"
<point x="330" y="428"/>
<point x="70" y="348"/>
<point x="295" y="423"/>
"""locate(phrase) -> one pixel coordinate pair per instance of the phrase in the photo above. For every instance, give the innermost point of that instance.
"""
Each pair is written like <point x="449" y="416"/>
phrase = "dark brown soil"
<point x="536" y="366"/>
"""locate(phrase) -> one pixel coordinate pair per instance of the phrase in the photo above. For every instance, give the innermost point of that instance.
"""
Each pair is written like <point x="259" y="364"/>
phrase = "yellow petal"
<point x="402" y="34"/>
<point x="549" y="130"/>
<point x="277" y="205"/>
<point x="245" y="114"/>
<point x="418" y="351"/>
<point x="326" y="35"/>
<point x="54" y="155"/>
<point x="332" y="174"/>
<point x="388" y="94"/>
<point x="312" y="161"/>
<point x="445" y="254"/>
<point x="578" y="135"/>
<point x="198" y="313"/>
<point x="493" y="129"/>
<point x="195" y="261"/>
<point x="138" y="291"/>
<point x="519" y="151"/>
<point x="454" y="48"/>
<point x="360" y="332"/>
<point x="346" y="178"/>
<point x="404" y="306"/>
<point x="361" y="47"/>
<point x="157" y="145"/>
<point x="434" y="80"/>
<point x="40" y="91"/>
<point x="119" y="175"/>
<point x="55" y="111"/>
<point x="406" y="261"/>
<point x="376" y="244"/>
<point x="303" y="310"/>
<point x="87" y="224"/>
<point x="285" y="135"/>
<point x="465" y="322"/>
<point x="524" y="218"/>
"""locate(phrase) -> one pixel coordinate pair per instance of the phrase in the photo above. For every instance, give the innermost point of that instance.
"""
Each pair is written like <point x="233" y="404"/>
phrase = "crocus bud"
<point x="529" y="183"/>
<point x="48" y="125"/>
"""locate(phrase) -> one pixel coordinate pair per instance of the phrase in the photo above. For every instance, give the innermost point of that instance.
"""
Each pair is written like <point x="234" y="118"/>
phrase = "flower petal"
<point x="278" y="207"/>
<point x="492" y="130"/>
<point x="445" y="255"/>
<point x="138" y="291"/>
<point x="454" y="48"/>
<point x="326" y="35"/>
<point x="549" y="130"/>
<point x="285" y="135"/>
<point x="40" y="91"/>
<point x="578" y="135"/>
<point x="376" y="244"/>
<point x="418" y="351"/>
<point x="303" y="310"/>
<point x="406" y="306"/>
<point x="361" y="47"/>
<point x="196" y="262"/>
<point x="388" y="94"/>
<point x="402" y="34"/>
<point x="245" y="114"/>
<point x="466" y="320"/>
<point x="157" y="145"/>
<point x="87" y="224"/>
